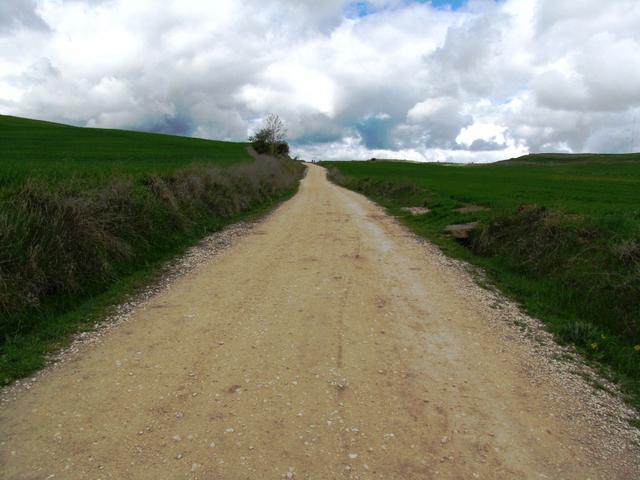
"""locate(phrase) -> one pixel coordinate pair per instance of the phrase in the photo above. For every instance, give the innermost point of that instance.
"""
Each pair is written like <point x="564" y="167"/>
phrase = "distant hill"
<point x="565" y="158"/>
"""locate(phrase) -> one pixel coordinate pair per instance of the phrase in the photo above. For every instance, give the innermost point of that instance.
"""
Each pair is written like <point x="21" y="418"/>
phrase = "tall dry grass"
<point x="67" y="240"/>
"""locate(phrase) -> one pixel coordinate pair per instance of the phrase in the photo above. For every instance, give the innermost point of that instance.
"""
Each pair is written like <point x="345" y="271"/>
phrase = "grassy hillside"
<point x="572" y="158"/>
<point x="30" y="148"/>
<point x="86" y="213"/>
<point x="598" y="188"/>
<point x="562" y="237"/>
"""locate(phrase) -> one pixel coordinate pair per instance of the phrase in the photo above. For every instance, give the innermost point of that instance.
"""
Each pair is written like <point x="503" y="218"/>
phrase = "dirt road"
<point x="326" y="344"/>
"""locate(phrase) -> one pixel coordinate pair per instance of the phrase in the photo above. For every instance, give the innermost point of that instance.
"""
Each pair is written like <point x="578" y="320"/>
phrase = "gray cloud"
<point x="488" y="81"/>
<point x="480" y="145"/>
<point x="16" y="14"/>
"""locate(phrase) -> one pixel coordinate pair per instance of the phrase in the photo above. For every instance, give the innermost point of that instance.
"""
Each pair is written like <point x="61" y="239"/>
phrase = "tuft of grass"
<point x="562" y="237"/>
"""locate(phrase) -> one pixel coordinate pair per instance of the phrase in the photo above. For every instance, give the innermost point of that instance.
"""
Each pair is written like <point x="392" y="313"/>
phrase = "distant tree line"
<point x="271" y="138"/>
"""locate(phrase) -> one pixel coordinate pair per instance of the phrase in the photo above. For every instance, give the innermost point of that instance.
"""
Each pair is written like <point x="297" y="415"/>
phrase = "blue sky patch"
<point x="363" y="8"/>
<point x="375" y="131"/>
<point x="454" y="4"/>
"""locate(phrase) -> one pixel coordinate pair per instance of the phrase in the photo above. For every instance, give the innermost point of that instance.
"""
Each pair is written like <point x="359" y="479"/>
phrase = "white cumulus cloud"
<point x="384" y="78"/>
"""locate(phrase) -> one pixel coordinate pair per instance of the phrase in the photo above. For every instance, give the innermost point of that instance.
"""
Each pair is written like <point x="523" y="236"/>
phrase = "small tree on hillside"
<point x="271" y="138"/>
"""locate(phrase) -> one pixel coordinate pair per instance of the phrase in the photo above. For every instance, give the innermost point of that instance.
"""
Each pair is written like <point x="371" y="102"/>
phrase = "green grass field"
<point x="88" y="215"/>
<point x="32" y="148"/>
<point x="560" y="234"/>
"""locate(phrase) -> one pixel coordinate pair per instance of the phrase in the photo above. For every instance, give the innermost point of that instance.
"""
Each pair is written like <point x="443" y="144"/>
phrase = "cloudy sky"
<point x="453" y="80"/>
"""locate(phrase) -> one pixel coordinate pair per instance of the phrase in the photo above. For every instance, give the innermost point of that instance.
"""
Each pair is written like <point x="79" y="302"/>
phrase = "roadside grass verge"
<point x="78" y="232"/>
<point x="68" y="253"/>
<point x="562" y="239"/>
<point x="53" y="324"/>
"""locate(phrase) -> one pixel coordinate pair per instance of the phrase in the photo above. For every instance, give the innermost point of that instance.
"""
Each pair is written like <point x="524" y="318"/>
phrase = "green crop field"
<point x="88" y="215"/>
<point x="32" y="148"/>
<point x="561" y="234"/>
<point x="601" y="189"/>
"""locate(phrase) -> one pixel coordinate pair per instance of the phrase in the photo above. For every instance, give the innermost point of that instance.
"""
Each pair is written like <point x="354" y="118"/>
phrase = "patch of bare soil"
<point x="416" y="210"/>
<point x="461" y="230"/>
<point x="471" y="209"/>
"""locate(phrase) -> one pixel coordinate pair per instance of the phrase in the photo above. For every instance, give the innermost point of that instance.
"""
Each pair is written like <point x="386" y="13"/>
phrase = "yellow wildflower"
<point x="594" y="345"/>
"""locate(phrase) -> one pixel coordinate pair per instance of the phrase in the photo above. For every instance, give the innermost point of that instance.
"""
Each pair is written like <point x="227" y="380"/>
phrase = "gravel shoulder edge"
<point x="597" y="402"/>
